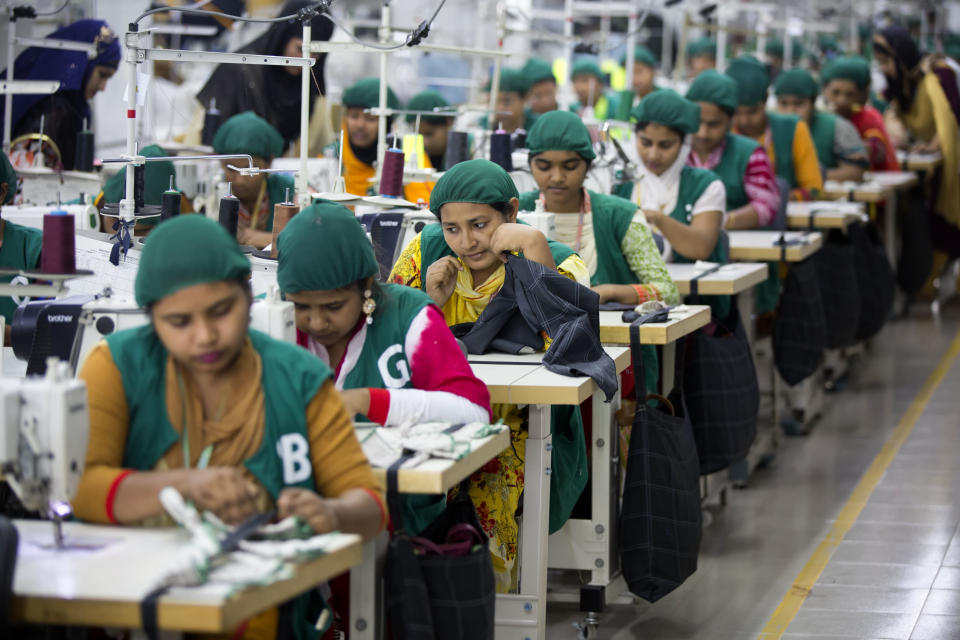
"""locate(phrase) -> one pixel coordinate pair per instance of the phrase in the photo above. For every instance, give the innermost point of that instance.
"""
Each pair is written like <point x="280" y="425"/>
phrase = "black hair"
<point x="531" y="158"/>
<point x="244" y="281"/>
<point x="643" y="125"/>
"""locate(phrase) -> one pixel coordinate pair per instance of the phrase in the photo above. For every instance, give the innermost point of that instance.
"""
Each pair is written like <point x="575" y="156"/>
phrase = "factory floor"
<point x="851" y="532"/>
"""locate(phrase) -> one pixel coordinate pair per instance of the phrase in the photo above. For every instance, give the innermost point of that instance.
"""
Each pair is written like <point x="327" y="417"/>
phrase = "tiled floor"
<point x="896" y="575"/>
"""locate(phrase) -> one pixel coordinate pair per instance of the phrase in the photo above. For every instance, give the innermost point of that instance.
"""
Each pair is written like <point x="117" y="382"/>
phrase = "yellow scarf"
<point x="467" y="303"/>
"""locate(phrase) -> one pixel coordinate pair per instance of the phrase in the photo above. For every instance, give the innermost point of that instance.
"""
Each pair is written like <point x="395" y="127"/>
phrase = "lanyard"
<point x="184" y="432"/>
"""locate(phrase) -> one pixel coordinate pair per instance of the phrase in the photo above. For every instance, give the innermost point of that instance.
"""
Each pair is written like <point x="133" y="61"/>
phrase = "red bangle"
<point x="112" y="494"/>
<point x="384" y="518"/>
<point x="379" y="405"/>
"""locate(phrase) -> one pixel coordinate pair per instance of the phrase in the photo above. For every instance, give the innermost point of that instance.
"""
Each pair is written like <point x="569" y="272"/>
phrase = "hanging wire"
<point x="55" y="12"/>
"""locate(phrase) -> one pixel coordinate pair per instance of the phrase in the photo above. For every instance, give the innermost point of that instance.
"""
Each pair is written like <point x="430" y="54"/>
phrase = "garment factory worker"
<point x="542" y="92"/>
<point x="512" y="110"/>
<point x="362" y="133"/>
<point x="395" y="360"/>
<point x="846" y="88"/>
<point x="774" y="51"/>
<point x="918" y="94"/>
<point x="785" y="138"/>
<point x="753" y="196"/>
<point x="458" y="263"/>
<point x="589" y="85"/>
<point x="839" y="148"/>
<point x="684" y="203"/>
<point x="236" y="421"/>
<point x="248" y="133"/>
<point x="274" y="92"/>
<point x="701" y="55"/>
<point x="64" y="112"/>
<point x="156" y="180"/>
<point x="644" y="71"/>
<point x="434" y="129"/>
<point x="609" y="233"/>
<point x="19" y="245"/>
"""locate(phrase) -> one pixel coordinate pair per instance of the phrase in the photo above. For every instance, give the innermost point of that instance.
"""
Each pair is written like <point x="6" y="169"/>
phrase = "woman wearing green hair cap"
<point x="685" y="204"/>
<point x="362" y="133"/>
<point x="701" y="55"/>
<point x="592" y="98"/>
<point x="459" y="263"/>
<point x="396" y="361"/>
<point x="237" y="422"/>
<point x="248" y="133"/>
<point x="435" y="131"/>
<point x="839" y="148"/>
<point x="644" y="71"/>
<point x="512" y="110"/>
<point x="19" y="245"/>
<point x="607" y="232"/>
<point x="846" y="88"/>
<point x="542" y="95"/>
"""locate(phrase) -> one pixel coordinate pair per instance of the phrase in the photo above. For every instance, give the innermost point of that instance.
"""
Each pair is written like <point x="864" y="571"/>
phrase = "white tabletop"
<point x="683" y="320"/>
<point x="919" y="161"/>
<point x="827" y="214"/>
<point x="728" y="279"/>
<point x="894" y="179"/>
<point x="762" y="245"/>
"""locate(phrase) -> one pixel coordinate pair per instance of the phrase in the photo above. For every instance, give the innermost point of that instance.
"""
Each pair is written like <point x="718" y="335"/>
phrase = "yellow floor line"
<point x="808" y="576"/>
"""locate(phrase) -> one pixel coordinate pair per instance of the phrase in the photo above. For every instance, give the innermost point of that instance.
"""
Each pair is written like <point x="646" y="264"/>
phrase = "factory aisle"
<point x="896" y="571"/>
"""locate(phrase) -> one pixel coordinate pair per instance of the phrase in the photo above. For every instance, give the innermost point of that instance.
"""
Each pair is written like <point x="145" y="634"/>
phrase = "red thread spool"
<point x="282" y="213"/>
<point x="391" y="179"/>
<point x="58" y="253"/>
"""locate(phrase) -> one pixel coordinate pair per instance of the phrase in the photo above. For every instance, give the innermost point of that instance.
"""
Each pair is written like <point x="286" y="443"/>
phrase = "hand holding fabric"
<point x="314" y="510"/>
<point x="225" y="491"/>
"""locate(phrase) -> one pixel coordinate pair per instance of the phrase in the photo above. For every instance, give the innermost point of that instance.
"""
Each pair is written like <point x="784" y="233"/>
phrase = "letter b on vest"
<point x="293" y="449"/>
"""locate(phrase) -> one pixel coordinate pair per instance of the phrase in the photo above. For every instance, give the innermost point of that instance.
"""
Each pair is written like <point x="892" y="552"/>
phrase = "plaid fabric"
<point x="799" y="331"/>
<point x="838" y="289"/>
<point x="660" y="522"/>
<point x="720" y="384"/>
<point x="875" y="279"/>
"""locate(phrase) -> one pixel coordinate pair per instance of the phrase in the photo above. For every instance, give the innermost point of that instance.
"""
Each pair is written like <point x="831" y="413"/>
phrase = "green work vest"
<point x="277" y="186"/>
<point x="291" y="377"/>
<point x="693" y="182"/>
<point x="822" y="130"/>
<point x="782" y="130"/>
<point x="606" y="106"/>
<point x="20" y="250"/>
<point x="733" y="167"/>
<point x="569" y="454"/>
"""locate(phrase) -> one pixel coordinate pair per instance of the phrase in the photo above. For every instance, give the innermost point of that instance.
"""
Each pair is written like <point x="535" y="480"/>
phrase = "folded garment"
<point x="384" y="445"/>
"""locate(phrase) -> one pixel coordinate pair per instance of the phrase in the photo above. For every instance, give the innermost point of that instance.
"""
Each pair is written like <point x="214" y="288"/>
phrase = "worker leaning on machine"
<point x="362" y="133"/>
<point x="248" y="133"/>
<point x="236" y="421"/>
<point x="19" y="245"/>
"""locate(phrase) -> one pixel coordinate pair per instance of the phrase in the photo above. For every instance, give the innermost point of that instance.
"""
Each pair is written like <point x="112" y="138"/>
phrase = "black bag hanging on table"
<point x="799" y="330"/>
<point x="839" y="289"/>
<point x="875" y="279"/>
<point x="722" y="394"/>
<point x="660" y="521"/>
<point x="916" y="241"/>
<point x="440" y="584"/>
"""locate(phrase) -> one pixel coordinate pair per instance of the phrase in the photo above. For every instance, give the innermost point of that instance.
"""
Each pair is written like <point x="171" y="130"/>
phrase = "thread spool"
<point x="58" y="253"/>
<point x="169" y="203"/>
<point x="391" y="179"/>
<point x="518" y="139"/>
<point x="625" y="101"/>
<point x="413" y="149"/>
<point x="458" y="149"/>
<point x="83" y="159"/>
<point x="282" y="213"/>
<point x="500" y="149"/>
<point x="139" y="177"/>
<point x="211" y="122"/>
<point x="229" y="214"/>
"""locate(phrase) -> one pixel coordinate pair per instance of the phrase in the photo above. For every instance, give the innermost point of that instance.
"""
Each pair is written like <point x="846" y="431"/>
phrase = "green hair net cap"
<point x="323" y="247"/>
<point x="560" y="131"/>
<point x="156" y="179"/>
<point x="668" y="108"/>
<point x="427" y="101"/>
<point x="702" y="47"/>
<point x="511" y="80"/>
<point x="248" y="133"/>
<point x="9" y="177"/>
<point x="641" y="54"/>
<point x="796" y="82"/>
<point x="475" y="181"/>
<point x="538" y="70"/>
<point x="752" y="79"/>
<point x="714" y="87"/>
<point x="186" y="251"/>
<point x="587" y="66"/>
<point x="774" y="47"/>
<point x="366" y="93"/>
<point x="856" y="69"/>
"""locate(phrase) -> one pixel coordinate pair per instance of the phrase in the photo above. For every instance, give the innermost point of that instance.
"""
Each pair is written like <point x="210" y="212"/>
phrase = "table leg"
<point x="366" y="592"/>
<point x="745" y="306"/>
<point x="668" y="363"/>
<point x="523" y="616"/>
<point x="890" y="229"/>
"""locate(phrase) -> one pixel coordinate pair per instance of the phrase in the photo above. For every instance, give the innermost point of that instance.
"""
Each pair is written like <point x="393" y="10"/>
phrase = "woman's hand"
<point x="513" y="237"/>
<point x="622" y="293"/>
<point x="653" y="217"/>
<point x="930" y="146"/>
<point x="442" y="279"/>
<point x="356" y="401"/>
<point x="314" y="510"/>
<point x="224" y="491"/>
<point x="258" y="239"/>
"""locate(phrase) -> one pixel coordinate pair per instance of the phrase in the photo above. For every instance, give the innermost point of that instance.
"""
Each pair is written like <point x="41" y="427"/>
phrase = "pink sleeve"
<point x="761" y="186"/>
<point x="436" y="361"/>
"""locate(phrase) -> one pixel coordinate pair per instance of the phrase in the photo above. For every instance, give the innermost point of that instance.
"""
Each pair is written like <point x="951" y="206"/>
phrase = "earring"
<point x="369" y="305"/>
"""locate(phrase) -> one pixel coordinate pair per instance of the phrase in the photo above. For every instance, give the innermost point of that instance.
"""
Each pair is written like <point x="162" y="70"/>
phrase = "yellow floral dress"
<point x="495" y="488"/>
